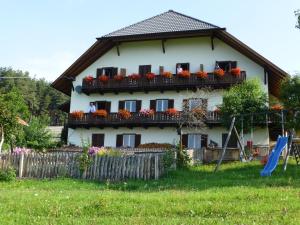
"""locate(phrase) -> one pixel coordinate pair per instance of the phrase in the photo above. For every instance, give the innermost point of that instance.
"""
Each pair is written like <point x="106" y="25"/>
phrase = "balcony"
<point x="159" y="119"/>
<point x="160" y="83"/>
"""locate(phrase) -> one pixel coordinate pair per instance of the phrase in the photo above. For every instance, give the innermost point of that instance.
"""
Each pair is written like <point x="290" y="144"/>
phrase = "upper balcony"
<point x="161" y="83"/>
<point x="158" y="119"/>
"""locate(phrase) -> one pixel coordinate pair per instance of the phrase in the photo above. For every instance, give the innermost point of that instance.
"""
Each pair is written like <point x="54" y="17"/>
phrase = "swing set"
<point x="244" y="157"/>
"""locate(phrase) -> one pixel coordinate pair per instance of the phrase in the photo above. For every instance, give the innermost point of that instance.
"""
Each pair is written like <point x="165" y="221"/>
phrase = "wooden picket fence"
<point x="58" y="164"/>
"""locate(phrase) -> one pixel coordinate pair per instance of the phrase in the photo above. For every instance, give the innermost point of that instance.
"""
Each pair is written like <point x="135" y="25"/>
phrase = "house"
<point x="113" y="74"/>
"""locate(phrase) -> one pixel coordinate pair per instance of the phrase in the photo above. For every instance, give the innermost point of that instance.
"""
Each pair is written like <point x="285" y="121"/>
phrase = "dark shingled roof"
<point x="169" y="21"/>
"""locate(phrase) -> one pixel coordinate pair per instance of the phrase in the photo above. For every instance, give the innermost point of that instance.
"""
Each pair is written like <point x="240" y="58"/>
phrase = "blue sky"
<point x="44" y="37"/>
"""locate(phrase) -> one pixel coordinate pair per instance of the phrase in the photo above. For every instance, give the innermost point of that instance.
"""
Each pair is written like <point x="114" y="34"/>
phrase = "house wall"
<point x="195" y="51"/>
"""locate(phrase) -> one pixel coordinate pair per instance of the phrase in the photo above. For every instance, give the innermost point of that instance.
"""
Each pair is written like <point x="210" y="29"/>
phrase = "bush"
<point x="8" y="174"/>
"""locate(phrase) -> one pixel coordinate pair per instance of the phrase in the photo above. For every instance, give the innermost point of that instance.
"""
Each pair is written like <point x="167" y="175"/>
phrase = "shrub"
<point x="236" y="71"/>
<point x="169" y="158"/>
<point x="171" y="112"/>
<point x="185" y="74"/>
<point x="147" y="112"/>
<point x="124" y="114"/>
<point x="103" y="78"/>
<point x="150" y="76"/>
<point x="183" y="158"/>
<point x="19" y="150"/>
<point x="167" y="74"/>
<point x="134" y="76"/>
<point x="89" y="78"/>
<point x="77" y="114"/>
<point x="277" y="107"/>
<point x="118" y="77"/>
<point x="8" y="174"/>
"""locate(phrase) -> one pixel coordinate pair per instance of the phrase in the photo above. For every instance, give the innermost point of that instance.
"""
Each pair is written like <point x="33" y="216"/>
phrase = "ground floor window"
<point x="194" y="141"/>
<point x="129" y="140"/>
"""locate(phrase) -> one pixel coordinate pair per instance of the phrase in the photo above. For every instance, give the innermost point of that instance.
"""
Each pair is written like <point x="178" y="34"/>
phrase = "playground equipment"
<point x="240" y="138"/>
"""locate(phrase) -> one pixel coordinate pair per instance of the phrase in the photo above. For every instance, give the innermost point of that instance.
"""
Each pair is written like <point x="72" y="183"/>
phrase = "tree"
<point x="290" y="97"/>
<point x="245" y="98"/>
<point x="12" y="107"/>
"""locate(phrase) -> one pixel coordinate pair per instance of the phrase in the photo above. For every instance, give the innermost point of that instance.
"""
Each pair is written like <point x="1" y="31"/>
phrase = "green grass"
<point x="235" y="195"/>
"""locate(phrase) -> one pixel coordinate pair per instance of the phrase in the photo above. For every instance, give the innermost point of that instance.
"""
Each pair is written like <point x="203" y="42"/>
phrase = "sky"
<point x="44" y="37"/>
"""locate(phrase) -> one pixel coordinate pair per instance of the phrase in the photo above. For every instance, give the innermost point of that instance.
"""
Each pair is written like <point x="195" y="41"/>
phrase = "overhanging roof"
<point x="163" y="26"/>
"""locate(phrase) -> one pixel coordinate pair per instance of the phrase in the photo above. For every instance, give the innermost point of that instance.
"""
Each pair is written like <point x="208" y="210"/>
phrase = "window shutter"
<point x="138" y="105"/>
<point x="203" y="140"/>
<point x="114" y="71"/>
<point x="123" y="72"/>
<point x="171" y="103"/>
<point x="121" y="104"/>
<point x="188" y="66"/>
<point x="185" y="140"/>
<point x="137" y="140"/>
<point x="153" y="104"/>
<point x="107" y="106"/>
<point x="119" y="141"/>
<point x="99" y="72"/>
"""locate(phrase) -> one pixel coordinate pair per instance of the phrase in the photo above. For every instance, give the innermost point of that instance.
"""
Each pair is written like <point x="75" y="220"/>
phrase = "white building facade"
<point x="133" y="50"/>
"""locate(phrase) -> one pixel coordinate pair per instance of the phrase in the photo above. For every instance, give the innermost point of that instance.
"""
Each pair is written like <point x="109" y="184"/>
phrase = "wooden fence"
<point x="58" y="164"/>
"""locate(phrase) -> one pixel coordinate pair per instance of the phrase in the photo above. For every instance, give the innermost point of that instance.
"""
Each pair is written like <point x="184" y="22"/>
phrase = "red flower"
<point x="77" y="114"/>
<point x="184" y="74"/>
<point x="134" y="76"/>
<point x="100" y="113"/>
<point x="124" y="114"/>
<point x="89" y="78"/>
<point x="202" y="74"/>
<point x="171" y="111"/>
<point x="118" y="77"/>
<point x="167" y="74"/>
<point x="236" y="71"/>
<point x="103" y="78"/>
<point x="219" y="72"/>
<point x="150" y="76"/>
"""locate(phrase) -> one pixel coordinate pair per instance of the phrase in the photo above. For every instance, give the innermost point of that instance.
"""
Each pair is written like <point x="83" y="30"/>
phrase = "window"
<point x="130" y="106"/>
<point x="195" y="103"/>
<point x="194" y="141"/>
<point x="97" y="140"/>
<point x="232" y="141"/>
<point x="129" y="140"/>
<point x="108" y="71"/>
<point x="184" y="66"/>
<point x="226" y="65"/>
<point x="144" y="69"/>
<point x="161" y="105"/>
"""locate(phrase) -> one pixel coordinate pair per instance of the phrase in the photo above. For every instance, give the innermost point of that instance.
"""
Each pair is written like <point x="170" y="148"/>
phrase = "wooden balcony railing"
<point x="160" y="83"/>
<point x="159" y="119"/>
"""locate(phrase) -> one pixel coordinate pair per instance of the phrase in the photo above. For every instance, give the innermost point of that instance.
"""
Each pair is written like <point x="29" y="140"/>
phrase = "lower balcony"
<point x="159" y="119"/>
<point x="161" y="83"/>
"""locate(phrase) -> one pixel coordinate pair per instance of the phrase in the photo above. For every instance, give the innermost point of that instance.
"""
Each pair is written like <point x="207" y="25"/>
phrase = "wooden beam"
<point x="163" y="45"/>
<point x="118" y="49"/>
<point x="212" y="42"/>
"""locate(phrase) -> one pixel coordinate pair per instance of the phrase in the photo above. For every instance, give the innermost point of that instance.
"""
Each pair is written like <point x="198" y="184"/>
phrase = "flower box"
<point x="167" y="74"/>
<point x="219" y="72"/>
<point x="100" y="113"/>
<point x="147" y="112"/>
<point x="277" y="107"/>
<point x="134" y="76"/>
<point x="77" y="114"/>
<point x="171" y="112"/>
<point x="184" y="74"/>
<point x="103" y="78"/>
<point x="150" y="76"/>
<point x="89" y="79"/>
<point x="235" y="71"/>
<point x="124" y="114"/>
<point x="118" y="77"/>
<point x="202" y="74"/>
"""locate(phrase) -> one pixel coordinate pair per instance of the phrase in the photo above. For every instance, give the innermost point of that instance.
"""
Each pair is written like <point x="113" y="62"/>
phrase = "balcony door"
<point x="161" y="105"/>
<point x="103" y="105"/>
<point x="131" y="105"/>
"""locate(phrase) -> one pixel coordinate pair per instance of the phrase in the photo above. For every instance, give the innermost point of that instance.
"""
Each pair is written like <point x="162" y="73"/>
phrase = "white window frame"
<point x="129" y="140"/>
<point x="162" y="105"/>
<point x="130" y="105"/>
<point x="194" y="141"/>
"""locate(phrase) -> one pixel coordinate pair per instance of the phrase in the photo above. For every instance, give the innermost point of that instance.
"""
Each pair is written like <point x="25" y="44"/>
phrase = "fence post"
<point x="21" y="163"/>
<point x="156" y="168"/>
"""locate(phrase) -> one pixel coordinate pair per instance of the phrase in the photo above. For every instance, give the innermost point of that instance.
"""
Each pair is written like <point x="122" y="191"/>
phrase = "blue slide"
<point x="274" y="156"/>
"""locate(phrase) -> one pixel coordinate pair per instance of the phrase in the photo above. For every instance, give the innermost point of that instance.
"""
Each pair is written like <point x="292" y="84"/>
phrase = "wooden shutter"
<point x="171" y="103"/>
<point x="98" y="140"/>
<point x="121" y="104"/>
<point x="107" y="106"/>
<point x="99" y="72"/>
<point x="123" y="72"/>
<point x="137" y="140"/>
<point x="119" y="141"/>
<point x="203" y="140"/>
<point x="138" y="105"/>
<point x="161" y="70"/>
<point x="185" y="140"/>
<point x="114" y="71"/>
<point x="153" y="104"/>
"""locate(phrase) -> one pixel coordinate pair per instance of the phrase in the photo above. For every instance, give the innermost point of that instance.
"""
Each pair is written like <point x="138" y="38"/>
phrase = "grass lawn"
<point x="235" y="195"/>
